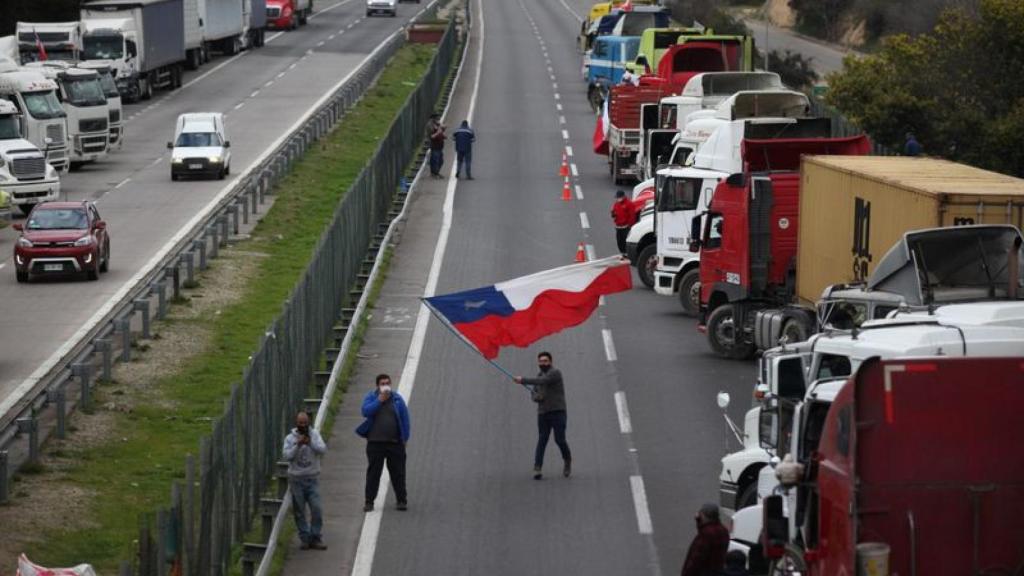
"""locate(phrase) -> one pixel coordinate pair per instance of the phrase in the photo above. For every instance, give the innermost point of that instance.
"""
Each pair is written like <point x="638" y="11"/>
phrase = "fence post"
<point x="30" y="426"/>
<point x="160" y="289"/>
<point x="84" y="374"/>
<point x="171" y="273"/>
<point x="4" y="476"/>
<point x="142" y="305"/>
<point x="106" y="355"/>
<point x="223" y="221"/>
<point x="211" y="230"/>
<point x="126" y="569"/>
<point x="58" y="397"/>
<point x="124" y="324"/>
<point x="187" y="259"/>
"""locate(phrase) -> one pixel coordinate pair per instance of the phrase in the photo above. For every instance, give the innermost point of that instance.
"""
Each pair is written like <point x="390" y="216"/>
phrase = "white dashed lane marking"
<point x="606" y="333"/>
<point x="623" y="411"/>
<point x="584" y="221"/>
<point x="643" y="514"/>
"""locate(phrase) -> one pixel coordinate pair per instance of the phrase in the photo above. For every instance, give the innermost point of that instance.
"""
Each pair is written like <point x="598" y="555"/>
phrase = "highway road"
<point x="263" y="92"/>
<point x="825" y="58"/>
<point x="645" y="431"/>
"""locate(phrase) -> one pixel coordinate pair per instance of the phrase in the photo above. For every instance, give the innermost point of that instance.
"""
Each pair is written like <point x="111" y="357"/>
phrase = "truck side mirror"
<point x="695" y="234"/>
<point x="776" y="527"/>
<point x="227" y="143"/>
<point x="768" y="424"/>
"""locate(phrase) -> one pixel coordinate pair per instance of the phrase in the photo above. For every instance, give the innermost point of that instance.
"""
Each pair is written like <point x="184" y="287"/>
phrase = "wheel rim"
<point x="694" y="296"/>
<point x="650" y="265"/>
<point x="725" y="332"/>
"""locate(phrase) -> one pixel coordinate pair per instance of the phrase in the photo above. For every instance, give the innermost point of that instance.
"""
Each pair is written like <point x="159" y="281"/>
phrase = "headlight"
<point x="215" y="159"/>
<point x="24" y="242"/>
<point x="84" y="241"/>
<point x="177" y="160"/>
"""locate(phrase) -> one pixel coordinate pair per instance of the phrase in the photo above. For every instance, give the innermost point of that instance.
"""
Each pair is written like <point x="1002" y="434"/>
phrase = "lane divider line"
<point x="575" y="171"/>
<point x="579" y="192"/>
<point x="568" y="151"/>
<point x="565" y="134"/>
<point x="606" y="333"/>
<point x="622" y="409"/>
<point x="584" y="221"/>
<point x="643" y="513"/>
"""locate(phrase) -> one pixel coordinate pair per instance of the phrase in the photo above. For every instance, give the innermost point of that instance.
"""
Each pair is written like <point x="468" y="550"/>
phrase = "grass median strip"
<point x="128" y="468"/>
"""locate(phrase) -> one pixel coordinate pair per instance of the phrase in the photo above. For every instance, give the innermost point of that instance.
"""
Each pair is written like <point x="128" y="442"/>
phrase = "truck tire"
<point x="726" y="339"/>
<point x="176" y="75"/>
<point x="616" y="179"/>
<point x="748" y="497"/>
<point x="303" y="17"/>
<point x="794" y="330"/>
<point x="689" y="292"/>
<point x="195" y="59"/>
<point x="146" y="87"/>
<point x="645" y="264"/>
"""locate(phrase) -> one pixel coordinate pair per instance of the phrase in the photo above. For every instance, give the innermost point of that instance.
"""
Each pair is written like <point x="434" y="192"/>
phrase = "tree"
<point x="821" y="18"/>
<point x="959" y="88"/>
<point x="795" y="70"/>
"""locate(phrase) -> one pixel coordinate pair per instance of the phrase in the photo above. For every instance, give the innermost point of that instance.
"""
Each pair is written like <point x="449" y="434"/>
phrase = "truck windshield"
<point x="197" y="139"/>
<point x="84" y="91"/>
<point x="43" y="105"/>
<point x="109" y="87"/>
<point x="103" y="47"/>
<point x="9" y="128"/>
<point x="679" y="194"/>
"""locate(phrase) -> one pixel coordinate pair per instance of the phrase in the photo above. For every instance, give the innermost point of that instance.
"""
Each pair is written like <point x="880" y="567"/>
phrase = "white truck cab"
<point x="45" y="122"/>
<point x="24" y="171"/>
<point x="82" y="97"/>
<point x="200" y="146"/>
<point x="106" y="72"/>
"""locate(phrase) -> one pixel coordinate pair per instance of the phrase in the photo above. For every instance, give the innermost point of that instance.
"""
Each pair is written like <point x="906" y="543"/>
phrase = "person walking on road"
<point x="435" y="139"/>
<point x="464" y="138"/>
<point x="549" y="394"/>
<point x="706" y="556"/>
<point x="386" y="430"/>
<point x="624" y="216"/>
<point x="302" y="450"/>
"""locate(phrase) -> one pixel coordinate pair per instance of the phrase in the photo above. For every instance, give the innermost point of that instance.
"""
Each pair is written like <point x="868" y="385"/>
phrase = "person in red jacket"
<point x="706" y="556"/>
<point x="624" y="216"/>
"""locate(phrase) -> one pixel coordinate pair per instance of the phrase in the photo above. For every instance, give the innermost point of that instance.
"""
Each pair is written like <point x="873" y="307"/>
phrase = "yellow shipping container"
<point x="853" y="209"/>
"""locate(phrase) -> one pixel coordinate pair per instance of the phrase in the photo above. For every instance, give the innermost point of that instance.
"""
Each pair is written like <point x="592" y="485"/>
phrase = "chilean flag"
<point x="39" y="46"/>
<point x="600" y="138"/>
<point x="519" y="312"/>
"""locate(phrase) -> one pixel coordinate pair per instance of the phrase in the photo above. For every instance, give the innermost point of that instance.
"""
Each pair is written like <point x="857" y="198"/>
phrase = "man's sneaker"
<point x="304" y="546"/>
<point x="317" y="545"/>
<point x="368" y="507"/>
<point x="403" y="506"/>
<point x="536" y="473"/>
<point x="567" y="470"/>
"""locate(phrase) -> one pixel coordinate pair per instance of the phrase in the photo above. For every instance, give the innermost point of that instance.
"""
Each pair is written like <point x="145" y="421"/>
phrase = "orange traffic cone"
<point x="564" y="170"/>
<point x="566" y="191"/>
<point x="581" y="253"/>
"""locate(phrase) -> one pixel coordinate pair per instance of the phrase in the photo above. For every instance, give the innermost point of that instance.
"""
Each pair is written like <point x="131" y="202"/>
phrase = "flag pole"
<point x="462" y="338"/>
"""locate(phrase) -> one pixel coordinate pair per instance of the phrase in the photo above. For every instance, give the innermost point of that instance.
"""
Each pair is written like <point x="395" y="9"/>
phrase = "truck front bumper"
<point x="727" y="496"/>
<point x="32" y="192"/>
<point x="89" y="147"/>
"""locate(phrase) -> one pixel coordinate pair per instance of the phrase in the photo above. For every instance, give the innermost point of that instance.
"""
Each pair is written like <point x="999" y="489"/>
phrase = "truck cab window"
<point x="882" y="311"/>
<point x="716" y="223"/>
<point x="832" y="366"/>
<point x="131" y="49"/>
<point x="679" y="194"/>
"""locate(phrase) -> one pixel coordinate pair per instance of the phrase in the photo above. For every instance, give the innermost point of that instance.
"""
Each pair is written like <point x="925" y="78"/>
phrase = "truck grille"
<point x="55" y="132"/>
<point x="28" y="168"/>
<point x="115" y="116"/>
<point x="273" y="13"/>
<point x="93" y="125"/>
<point x="95" y="144"/>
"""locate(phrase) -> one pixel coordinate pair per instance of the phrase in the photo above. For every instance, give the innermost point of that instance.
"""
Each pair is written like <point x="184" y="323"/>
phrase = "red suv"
<point x="62" y="238"/>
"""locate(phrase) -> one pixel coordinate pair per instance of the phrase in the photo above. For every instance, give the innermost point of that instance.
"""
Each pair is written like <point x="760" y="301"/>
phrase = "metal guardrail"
<point x="43" y="409"/>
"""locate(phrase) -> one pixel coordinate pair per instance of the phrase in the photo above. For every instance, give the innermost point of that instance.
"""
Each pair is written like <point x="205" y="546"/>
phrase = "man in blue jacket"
<point x="464" y="138"/>
<point x="386" y="430"/>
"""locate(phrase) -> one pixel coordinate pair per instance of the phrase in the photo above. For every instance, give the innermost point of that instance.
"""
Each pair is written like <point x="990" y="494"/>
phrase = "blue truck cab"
<point x="608" y="60"/>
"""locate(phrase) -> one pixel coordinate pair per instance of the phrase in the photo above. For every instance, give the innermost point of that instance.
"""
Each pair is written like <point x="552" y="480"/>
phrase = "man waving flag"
<point x="521" y="311"/>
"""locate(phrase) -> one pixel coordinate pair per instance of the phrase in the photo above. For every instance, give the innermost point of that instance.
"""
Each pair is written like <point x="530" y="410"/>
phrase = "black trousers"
<point x="546" y="423"/>
<point x="379" y="453"/>
<point x="620" y="238"/>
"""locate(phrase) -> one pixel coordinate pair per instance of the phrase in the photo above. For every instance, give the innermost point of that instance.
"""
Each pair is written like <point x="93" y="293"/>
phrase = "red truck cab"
<point x="911" y="459"/>
<point x="287" y="14"/>
<point x="696" y="54"/>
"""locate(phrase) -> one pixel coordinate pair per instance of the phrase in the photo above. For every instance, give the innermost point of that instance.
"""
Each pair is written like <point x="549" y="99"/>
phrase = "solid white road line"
<point x="584" y="221"/>
<point x="579" y="192"/>
<point x="571" y="11"/>
<point x="643" y="514"/>
<point x="157" y="161"/>
<point x="2" y="265"/>
<point x="606" y="333"/>
<point x="122" y="183"/>
<point x="367" y="547"/>
<point x="623" y="411"/>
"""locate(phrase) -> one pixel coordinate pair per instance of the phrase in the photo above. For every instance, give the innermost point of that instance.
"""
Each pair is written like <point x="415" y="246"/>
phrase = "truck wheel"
<point x="146" y="88"/>
<point x="689" y="292"/>
<point x="177" y="74"/>
<point x="303" y="17"/>
<point x="645" y="264"/>
<point x="748" y="497"/>
<point x="794" y="330"/>
<point x="294" y="22"/>
<point x="615" y="169"/>
<point x="725" y="337"/>
<point x="194" y="60"/>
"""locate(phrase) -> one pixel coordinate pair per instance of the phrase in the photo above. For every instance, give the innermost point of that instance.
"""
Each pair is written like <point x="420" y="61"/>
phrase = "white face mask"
<point x="385" y="389"/>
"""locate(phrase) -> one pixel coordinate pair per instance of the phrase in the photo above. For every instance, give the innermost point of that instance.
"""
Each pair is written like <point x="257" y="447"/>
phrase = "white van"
<point x="200" y="146"/>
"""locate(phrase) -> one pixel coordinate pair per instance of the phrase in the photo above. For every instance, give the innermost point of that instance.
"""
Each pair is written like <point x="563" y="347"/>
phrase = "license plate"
<point x="195" y="166"/>
<point x="53" y="267"/>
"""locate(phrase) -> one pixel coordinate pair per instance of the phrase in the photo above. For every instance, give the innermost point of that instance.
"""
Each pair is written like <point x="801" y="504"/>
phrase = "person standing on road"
<point x="464" y="138"/>
<point x="706" y="556"/>
<point x="386" y="430"/>
<point x="549" y="394"/>
<point x="302" y="450"/>
<point x="436" y="139"/>
<point x="623" y="216"/>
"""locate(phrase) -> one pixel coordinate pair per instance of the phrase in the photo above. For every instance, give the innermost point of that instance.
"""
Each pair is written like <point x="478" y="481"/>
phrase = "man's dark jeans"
<point x="393" y="453"/>
<point x="464" y="159"/>
<point x="547" y="422"/>
<point x="436" y="161"/>
<point x="306" y="492"/>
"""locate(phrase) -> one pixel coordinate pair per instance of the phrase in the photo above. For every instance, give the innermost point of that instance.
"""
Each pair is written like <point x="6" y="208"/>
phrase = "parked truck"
<point x="288" y="14"/>
<point x="24" y="172"/>
<point x="884" y="478"/>
<point x="59" y="41"/>
<point x="654" y="42"/>
<point x="786" y="373"/>
<point x="856" y="208"/>
<point x="222" y="25"/>
<point x="43" y="118"/>
<point x="144" y="39"/>
<point x="692" y="55"/>
<point x="88" y="116"/>
<point x="195" y="29"/>
<point x="624" y="109"/>
<point x="106" y="72"/>
<point x="605" y="65"/>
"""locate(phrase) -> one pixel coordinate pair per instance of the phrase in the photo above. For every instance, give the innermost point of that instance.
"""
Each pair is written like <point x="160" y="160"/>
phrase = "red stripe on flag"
<point x="551" y="312"/>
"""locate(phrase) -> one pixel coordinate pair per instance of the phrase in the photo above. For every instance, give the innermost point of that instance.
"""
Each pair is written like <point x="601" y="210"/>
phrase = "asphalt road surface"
<point x="263" y="92"/>
<point x="628" y="508"/>
<point x="824" y="57"/>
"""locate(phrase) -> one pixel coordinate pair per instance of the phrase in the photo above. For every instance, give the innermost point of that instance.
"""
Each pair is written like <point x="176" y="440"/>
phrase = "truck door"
<point x="677" y="202"/>
<point x="659" y="150"/>
<point x="650" y="114"/>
